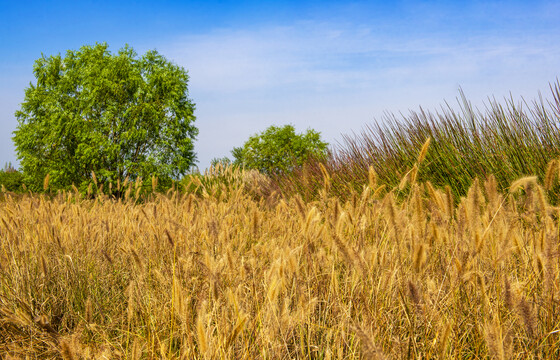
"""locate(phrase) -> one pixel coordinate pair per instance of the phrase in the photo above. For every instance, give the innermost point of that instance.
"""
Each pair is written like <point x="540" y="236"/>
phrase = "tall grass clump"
<point x="228" y="272"/>
<point x="507" y="140"/>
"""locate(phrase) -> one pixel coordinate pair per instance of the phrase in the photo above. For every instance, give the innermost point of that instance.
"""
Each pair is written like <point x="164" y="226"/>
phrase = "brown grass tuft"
<point x="551" y="174"/>
<point x="407" y="275"/>
<point x="527" y="315"/>
<point x="66" y="351"/>
<point x="414" y="293"/>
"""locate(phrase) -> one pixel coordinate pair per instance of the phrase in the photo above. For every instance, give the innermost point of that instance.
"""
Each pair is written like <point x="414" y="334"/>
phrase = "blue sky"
<point x="333" y="66"/>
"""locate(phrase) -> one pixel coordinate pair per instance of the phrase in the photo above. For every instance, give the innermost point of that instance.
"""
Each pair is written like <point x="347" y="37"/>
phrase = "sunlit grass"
<point x="236" y="273"/>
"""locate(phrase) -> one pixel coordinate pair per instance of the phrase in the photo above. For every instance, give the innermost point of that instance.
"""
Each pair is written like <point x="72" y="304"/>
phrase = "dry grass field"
<point x="227" y="274"/>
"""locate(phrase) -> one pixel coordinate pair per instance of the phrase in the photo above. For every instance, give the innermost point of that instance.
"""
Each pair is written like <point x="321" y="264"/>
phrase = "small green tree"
<point x="279" y="149"/>
<point x="11" y="178"/>
<point x="116" y="115"/>
<point x="223" y="161"/>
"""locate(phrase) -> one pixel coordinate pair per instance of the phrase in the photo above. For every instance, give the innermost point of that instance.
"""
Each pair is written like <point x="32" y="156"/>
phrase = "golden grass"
<point x="230" y="274"/>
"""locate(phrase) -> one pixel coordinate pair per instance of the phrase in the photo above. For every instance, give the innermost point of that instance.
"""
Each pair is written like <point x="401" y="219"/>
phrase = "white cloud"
<point x="337" y="75"/>
<point x="336" y="79"/>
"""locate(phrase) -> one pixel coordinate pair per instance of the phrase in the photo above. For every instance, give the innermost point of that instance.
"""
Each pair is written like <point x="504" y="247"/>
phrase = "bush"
<point x="11" y="179"/>
<point x="279" y="150"/>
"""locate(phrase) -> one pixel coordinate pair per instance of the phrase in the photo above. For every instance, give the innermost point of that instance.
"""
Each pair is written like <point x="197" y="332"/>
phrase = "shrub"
<point x="279" y="150"/>
<point x="11" y="179"/>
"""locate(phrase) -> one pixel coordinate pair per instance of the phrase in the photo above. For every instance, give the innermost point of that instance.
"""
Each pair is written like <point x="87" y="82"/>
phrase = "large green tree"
<point x="279" y="150"/>
<point x="118" y="115"/>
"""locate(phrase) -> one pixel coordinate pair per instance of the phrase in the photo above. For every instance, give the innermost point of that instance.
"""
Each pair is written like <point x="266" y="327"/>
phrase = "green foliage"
<point x="118" y="115"/>
<point x="279" y="150"/>
<point x="11" y="179"/>
<point x="224" y="162"/>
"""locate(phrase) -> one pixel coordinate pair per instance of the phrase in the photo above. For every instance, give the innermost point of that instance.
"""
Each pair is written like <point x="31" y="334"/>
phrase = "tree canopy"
<point x="279" y="149"/>
<point x="118" y="115"/>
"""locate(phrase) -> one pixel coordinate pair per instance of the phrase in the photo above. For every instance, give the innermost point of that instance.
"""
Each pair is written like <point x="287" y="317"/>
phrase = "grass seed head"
<point x="44" y="267"/>
<point x="527" y="315"/>
<point x="242" y="319"/>
<point x="66" y="351"/>
<point x="372" y="178"/>
<point x="450" y="199"/>
<point x="170" y="238"/>
<point x="420" y="257"/>
<point x="201" y="333"/>
<point x="154" y="183"/>
<point x="255" y="223"/>
<point x="444" y="340"/>
<point x="368" y="349"/>
<point x="46" y="182"/>
<point x="414" y="293"/>
<point x="435" y="196"/>
<point x="404" y="181"/>
<point x="88" y="311"/>
<point x="494" y="339"/>
<point x="94" y="178"/>
<point x="522" y="183"/>
<point x="300" y="206"/>
<point x="424" y="151"/>
<point x="136" y="350"/>
<point x="413" y="174"/>
<point x="478" y="242"/>
<point x="541" y="199"/>
<point x="508" y="295"/>
<point x="551" y="174"/>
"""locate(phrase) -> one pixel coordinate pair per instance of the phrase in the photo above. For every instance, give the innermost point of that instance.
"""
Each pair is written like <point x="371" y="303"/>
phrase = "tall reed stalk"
<point x="508" y="140"/>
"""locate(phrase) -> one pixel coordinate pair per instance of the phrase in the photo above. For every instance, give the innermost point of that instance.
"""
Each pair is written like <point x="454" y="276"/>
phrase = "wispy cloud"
<point x="336" y="78"/>
<point x="332" y="66"/>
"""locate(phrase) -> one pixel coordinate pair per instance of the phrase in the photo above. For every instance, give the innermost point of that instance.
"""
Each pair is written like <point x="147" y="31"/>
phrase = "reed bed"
<point x="509" y="140"/>
<point x="234" y="274"/>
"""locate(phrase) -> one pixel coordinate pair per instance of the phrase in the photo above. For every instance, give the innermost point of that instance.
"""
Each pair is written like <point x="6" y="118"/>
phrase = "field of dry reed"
<point x="228" y="274"/>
